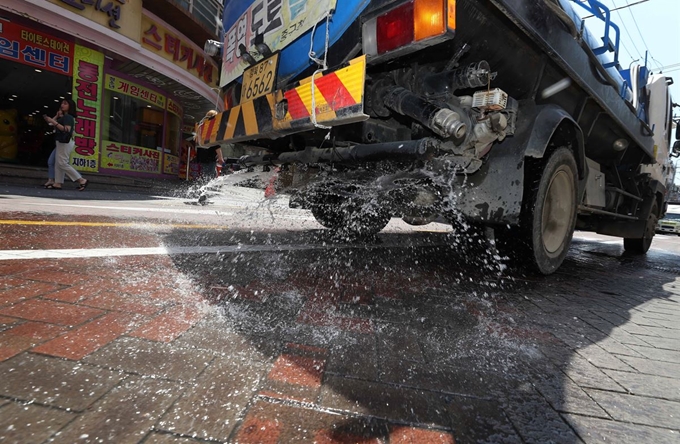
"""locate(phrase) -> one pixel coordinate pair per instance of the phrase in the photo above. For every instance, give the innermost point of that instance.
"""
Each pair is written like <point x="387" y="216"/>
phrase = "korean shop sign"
<point x="121" y="16"/>
<point x="174" y="108"/>
<point x="121" y="156"/>
<point x="179" y="50"/>
<point x="37" y="49"/>
<point x="128" y="88"/>
<point x="88" y="76"/>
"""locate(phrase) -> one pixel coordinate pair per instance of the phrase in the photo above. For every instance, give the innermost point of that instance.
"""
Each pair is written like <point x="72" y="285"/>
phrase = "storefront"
<point x="138" y="85"/>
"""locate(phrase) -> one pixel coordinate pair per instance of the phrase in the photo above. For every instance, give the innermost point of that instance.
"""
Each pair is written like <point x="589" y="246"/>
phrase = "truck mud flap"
<point x="338" y="98"/>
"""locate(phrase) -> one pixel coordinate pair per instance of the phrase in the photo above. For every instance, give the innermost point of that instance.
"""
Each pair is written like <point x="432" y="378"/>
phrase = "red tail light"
<point x="410" y="22"/>
<point x="395" y="29"/>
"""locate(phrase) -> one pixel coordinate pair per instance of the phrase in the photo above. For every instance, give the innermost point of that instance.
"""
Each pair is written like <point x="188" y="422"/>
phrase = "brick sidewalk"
<point x="202" y="348"/>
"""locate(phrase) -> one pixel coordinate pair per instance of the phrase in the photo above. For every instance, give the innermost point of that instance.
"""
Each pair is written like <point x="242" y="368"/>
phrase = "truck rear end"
<point x="496" y="114"/>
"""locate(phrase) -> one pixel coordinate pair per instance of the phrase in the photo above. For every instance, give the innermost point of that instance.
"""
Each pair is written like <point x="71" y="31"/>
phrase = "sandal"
<point x="47" y="184"/>
<point x="52" y="187"/>
<point x="83" y="185"/>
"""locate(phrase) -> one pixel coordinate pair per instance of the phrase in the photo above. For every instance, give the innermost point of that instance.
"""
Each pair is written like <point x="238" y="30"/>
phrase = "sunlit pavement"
<point x="140" y="319"/>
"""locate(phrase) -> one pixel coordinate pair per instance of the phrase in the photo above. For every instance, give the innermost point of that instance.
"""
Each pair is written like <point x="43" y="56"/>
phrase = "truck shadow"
<point x="410" y="337"/>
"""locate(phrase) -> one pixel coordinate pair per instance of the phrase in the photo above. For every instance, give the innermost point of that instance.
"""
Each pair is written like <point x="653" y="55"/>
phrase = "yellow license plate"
<point x="259" y="79"/>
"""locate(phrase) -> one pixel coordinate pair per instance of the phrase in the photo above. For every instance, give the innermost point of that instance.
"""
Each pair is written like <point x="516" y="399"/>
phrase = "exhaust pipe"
<point x="406" y="151"/>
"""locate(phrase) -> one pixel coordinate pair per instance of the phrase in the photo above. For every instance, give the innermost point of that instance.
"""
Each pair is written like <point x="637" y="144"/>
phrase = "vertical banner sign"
<point x="88" y="79"/>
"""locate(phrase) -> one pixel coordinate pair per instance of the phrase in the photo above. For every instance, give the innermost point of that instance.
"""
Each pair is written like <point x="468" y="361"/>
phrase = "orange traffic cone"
<point x="270" y="191"/>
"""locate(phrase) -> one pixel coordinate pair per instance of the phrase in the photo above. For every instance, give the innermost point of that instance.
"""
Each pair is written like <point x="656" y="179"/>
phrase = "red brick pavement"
<point x="66" y="308"/>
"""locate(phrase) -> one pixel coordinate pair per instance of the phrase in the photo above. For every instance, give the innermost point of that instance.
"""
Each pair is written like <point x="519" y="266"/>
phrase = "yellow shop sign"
<point x="128" y="88"/>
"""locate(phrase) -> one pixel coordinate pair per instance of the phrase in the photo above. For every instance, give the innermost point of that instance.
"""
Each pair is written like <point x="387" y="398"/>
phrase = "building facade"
<point x="135" y="69"/>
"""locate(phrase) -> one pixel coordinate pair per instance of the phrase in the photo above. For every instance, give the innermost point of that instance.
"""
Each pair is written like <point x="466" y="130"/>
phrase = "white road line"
<point x="149" y="251"/>
<point x="155" y="251"/>
<point x="213" y="212"/>
<point x="144" y="209"/>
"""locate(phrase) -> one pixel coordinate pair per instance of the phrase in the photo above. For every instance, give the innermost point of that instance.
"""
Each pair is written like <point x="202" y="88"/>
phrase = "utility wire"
<point x="643" y="37"/>
<point x="625" y="28"/>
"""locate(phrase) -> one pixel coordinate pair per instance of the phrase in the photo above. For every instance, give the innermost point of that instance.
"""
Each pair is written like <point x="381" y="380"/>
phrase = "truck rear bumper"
<point x="337" y="96"/>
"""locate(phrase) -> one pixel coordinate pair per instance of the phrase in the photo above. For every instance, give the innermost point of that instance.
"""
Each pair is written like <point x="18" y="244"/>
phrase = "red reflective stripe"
<point x="334" y="91"/>
<point x="296" y="107"/>
<point x="207" y="129"/>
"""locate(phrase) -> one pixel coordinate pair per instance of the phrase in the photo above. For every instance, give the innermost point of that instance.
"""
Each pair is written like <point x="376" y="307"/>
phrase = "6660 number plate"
<point x="259" y="79"/>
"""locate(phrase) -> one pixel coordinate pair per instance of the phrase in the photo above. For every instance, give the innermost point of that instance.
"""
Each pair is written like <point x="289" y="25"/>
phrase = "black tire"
<point x="549" y="211"/>
<point x="328" y="216"/>
<point x="641" y="245"/>
<point x="352" y="218"/>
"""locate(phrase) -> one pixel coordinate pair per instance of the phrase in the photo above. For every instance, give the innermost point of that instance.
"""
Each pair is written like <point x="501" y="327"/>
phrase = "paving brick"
<point x="639" y="409"/>
<point x="55" y="382"/>
<point x="650" y="333"/>
<point x="54" y="276"/>
<point x="22" y="337"/>
<point x="658" y="368"/>
<point x="384" y="401"/>
<point x="400" y="341"/>
<point x="30" y="423"/>
<point x="9" y="282"/>
<point x="616" y="348"/>
<point x="340" y="437"/>
<point x="219" y="397"/>
<point x="593" y="430"/>
<point x="124" y="415"/>
<point x="658" y="354"/>
<point x="74" y="293"/>
<point x="299" y="370"/>
<point x="31" y="290"/>
<point x="585" y="374"/>
<point x="565" y="396"/>
<point x="354" y="355"/>
<point x="259" y="431"/>
<point x="647" y="385"/>
<point x="169" y="325"/>
<point x="51" y="312"/>
<point x="663" y="343"/>
<point x="5" y="321"/>
<point x="296" y="424"/>
<point x="134" y="355"/>
<point x="533" y="418"/>
<point x="321" y="318"/>
<point x="480" y="420"/>
<point x="215" y="335"/>
<point x="109" y="300"/>
<point x="602" y="359"/>
<point x="440" y="378"/>
<point x="413" y="435"/>
<point x="89" y="337"/>
<point x="167" y="438"/>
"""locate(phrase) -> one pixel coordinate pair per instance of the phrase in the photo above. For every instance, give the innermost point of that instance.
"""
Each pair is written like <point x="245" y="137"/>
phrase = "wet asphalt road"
<point x="411" y="336"/>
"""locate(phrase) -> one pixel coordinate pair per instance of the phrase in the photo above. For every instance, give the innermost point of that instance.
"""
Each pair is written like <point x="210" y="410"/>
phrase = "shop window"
<point x="173" y="134"/>
<point x="133" y="121"/>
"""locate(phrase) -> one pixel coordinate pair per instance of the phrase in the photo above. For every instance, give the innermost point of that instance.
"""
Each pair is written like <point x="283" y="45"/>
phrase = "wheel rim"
<point x="558" y="211"/>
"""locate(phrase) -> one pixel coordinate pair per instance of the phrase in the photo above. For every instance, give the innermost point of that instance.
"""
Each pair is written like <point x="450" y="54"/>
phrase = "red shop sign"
<point x="34" y="48"/>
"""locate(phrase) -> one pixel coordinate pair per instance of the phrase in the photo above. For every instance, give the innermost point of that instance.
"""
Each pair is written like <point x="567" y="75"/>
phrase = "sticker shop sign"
<point x="179" y="50"/>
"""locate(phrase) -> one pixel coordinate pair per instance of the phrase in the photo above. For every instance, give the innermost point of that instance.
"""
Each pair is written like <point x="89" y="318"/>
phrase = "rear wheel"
<point x="328" y="216"/>
<point x="641" y="245"/>
<point x="362" y="219"/>
<point x="549" y="211"/>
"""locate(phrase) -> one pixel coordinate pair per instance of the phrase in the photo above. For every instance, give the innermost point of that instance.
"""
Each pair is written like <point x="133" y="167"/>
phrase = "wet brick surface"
<point x="389" y="344"/>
